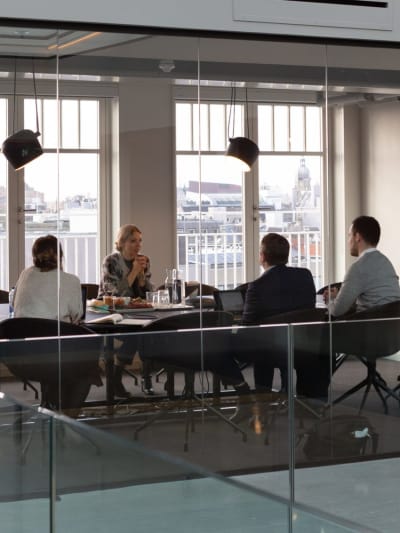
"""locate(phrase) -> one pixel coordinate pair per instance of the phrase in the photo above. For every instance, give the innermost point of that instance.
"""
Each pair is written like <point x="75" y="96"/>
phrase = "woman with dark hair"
<point x="44" y="290"/>
<point x="36" y="291"/>
<point x="126" y="272"/>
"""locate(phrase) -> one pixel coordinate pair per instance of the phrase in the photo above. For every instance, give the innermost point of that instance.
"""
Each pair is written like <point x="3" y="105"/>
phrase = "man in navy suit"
<point x="279" y="289"/>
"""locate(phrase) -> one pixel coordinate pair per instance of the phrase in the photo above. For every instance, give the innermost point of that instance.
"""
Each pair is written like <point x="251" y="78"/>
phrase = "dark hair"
<point x="275" y="249"/>
<point x="123" y="235"/>
<point x="368" y="228"/>
<point x="45" y="253"/>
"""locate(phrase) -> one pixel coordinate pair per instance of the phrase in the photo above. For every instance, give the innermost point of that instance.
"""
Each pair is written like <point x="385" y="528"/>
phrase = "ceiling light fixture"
<point x="243" y="149"/>
<point x="23" y="146"/>
<point x="74" y="41"/>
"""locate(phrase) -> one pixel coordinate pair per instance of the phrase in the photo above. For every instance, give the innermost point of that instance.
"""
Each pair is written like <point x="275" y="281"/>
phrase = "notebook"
<point x="230" y="300"/>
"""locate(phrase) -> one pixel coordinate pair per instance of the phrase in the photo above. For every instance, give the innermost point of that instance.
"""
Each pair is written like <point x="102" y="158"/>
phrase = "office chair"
<point x="176" y="343"/>
<point x="369" y="335"/>
<point x="336" y="284"/>
<point x="65" y="366"/>
<point x="256" y="345"/>
<point x="61" y="365"/>
<point x="192" y="297"/>
<point x="4" y="299"/>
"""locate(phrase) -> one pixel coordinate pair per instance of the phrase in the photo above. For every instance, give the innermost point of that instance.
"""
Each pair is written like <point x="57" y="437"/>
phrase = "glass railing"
<point x="60" y="475"/>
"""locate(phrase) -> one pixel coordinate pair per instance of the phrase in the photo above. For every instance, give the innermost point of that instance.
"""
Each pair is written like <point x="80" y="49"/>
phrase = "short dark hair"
<point x="368" y="228"/>
<point x="45" y="253"/>
<point x="275" y="249"/>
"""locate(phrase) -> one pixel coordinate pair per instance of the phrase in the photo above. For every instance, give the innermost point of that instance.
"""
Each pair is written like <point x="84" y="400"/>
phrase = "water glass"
<point x="152" y="297"/>
<point x="163" y="297"/>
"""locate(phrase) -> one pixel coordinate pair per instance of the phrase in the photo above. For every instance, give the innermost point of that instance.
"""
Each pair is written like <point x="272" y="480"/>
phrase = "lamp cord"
<point x="232" y="113"/>
<point x="15" y="92"/>
<point x="247" y="116"/>
<point x="34" y="90"/>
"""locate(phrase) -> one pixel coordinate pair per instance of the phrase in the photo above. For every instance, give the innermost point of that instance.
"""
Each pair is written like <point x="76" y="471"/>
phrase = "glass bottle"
<point x="174" y="284"/>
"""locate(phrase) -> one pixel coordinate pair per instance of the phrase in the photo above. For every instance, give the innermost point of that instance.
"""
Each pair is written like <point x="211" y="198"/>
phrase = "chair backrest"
<point x="336" y="285"/>
<point x="315" y="314"/>
<point x="41" y="360"/>
<point x="191" y="320"/>
<point x="193" y="349"/>
<point x="371" y="333"/>
<point x="309" y="339"/>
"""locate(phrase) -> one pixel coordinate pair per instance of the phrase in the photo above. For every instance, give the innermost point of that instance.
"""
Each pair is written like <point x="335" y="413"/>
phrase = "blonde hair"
<point x="123" y="235"/>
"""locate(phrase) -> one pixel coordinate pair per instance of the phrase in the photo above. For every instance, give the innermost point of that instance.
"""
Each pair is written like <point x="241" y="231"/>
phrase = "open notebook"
<point x="116" y="318"/>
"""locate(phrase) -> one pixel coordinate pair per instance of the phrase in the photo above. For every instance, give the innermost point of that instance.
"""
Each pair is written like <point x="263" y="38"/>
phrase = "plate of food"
<point x="120" y="304"/>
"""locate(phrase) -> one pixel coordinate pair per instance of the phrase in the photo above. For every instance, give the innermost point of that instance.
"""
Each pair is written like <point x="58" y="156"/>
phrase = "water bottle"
<point x="168" y="284"/>
<point x="11" y="302"/>
<point x="175" y="286"/>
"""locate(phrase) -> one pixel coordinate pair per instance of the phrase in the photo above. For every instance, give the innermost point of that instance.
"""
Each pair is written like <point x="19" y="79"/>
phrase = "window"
<point x="290" y="174"/>
<point x="61" y="188"/>
<point x="209" y="196"/>
<point x="210" y="191"/>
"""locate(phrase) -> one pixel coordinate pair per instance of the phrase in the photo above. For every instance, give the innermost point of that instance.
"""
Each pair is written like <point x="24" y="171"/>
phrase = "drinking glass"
<point x="163" y="297"/>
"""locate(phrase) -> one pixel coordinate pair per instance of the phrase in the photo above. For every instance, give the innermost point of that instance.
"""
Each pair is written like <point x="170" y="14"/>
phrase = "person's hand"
<point x="140" y="263"/>
<point x="331" y="294"/>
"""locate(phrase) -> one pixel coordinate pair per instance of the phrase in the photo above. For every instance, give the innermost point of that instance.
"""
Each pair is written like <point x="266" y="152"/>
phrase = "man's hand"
<point x="330" y="294"/>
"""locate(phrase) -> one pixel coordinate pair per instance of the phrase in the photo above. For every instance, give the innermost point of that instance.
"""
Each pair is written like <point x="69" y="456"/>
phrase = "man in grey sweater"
<point x="372" y="279"/>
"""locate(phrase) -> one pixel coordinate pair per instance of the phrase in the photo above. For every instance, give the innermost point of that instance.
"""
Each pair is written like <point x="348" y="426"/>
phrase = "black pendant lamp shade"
<point x="21" y="148"/>
<point x="243" y="149"/>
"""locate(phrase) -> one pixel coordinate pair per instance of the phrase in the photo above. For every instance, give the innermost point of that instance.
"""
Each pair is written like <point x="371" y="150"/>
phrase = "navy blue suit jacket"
<point x="278" y="290"/>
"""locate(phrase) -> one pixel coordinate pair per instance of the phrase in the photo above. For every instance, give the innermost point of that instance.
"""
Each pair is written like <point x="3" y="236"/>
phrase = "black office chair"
<point x="254" y="345"/>
<point x="335" y="285"/>
<point x="198" y="295"/>
<point x="369" y="335"/>
<point x="177" y="343"/>
<point x="64" y="367"/>
<point x="4" y="299"/>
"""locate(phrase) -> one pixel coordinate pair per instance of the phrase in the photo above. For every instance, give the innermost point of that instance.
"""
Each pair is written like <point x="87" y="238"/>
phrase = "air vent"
<point x="358" y="14"/>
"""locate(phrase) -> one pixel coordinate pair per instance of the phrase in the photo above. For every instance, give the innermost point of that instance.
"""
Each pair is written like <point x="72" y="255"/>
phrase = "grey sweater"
<point x="369" y="282"/>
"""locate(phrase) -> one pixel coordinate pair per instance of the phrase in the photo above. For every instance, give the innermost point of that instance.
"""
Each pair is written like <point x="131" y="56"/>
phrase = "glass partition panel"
<point x="92" y="479"/>
<point x="25" y="486"/>
<point x="348" y="446"/>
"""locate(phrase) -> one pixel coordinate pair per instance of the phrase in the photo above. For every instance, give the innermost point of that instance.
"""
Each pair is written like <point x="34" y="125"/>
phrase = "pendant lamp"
<point x="23" y="146"/>
<point x="243" y="149"/>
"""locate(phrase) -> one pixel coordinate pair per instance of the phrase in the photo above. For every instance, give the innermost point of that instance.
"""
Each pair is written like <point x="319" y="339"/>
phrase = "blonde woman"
<point x="126" y="272"/>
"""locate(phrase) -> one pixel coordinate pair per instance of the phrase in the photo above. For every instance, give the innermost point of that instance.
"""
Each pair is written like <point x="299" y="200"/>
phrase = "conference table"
<point x="134" y="321"/>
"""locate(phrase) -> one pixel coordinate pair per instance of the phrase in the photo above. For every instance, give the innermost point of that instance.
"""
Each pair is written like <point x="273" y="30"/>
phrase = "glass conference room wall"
<point x="142" y="126"/>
